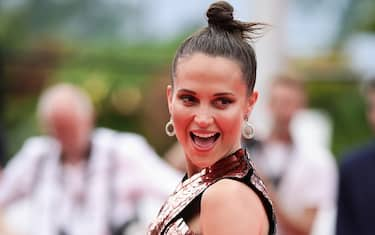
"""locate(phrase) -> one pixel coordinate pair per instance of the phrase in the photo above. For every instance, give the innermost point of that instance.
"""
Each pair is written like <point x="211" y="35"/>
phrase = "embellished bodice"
<point x="236" y="166"/>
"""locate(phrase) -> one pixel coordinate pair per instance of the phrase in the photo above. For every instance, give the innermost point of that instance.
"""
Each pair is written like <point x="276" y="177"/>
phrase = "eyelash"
<point x="222" y="102"/>
<point x="190" y="100"/>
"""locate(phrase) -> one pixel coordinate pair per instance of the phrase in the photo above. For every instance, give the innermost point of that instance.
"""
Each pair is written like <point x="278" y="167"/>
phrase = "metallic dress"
<point x="172" y="216"/>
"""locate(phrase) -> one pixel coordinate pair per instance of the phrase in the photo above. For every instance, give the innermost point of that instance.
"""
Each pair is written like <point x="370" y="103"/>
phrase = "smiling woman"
<point x="208" y="103"/>
<point x="210" y="100"/>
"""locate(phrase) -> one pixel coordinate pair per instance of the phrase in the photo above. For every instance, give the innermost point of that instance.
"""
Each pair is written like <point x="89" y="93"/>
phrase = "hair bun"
<point x="220" y="14"/>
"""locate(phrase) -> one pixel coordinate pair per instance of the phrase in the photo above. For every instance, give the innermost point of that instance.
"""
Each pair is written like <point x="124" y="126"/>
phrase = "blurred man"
<point x="301" y="174"/>
<point x="82" y="181"/>
<point x="356" y="196"/>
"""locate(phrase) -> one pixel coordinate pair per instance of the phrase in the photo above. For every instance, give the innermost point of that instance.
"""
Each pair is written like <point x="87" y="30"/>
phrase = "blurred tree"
<point x="82" y="42"/>
<point x="358" y="16"/>
<point x="30" y="20"/>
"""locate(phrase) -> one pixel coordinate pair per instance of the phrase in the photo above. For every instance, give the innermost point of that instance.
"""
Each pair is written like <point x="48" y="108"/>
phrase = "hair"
<point x="53" y="96"/>
<point x="292" y="81"/>
<point x="289" y="81"/>
<point x="224" y="37"/>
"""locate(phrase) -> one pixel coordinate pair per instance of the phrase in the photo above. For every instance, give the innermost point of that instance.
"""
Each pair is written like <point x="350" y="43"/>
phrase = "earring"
<point x="169" y="128"/>
<point x="248" y="131"/>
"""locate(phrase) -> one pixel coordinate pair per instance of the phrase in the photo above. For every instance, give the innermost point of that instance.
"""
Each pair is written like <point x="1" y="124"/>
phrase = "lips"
<point x="204" y="142"/>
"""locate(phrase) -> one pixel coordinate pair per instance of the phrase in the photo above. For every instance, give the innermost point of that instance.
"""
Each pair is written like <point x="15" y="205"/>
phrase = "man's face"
<point x="285" y="102"/>
<point x="71" y="129"/>
<point x="371" y="109"/>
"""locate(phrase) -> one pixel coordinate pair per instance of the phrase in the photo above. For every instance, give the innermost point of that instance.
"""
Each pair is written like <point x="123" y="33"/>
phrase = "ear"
<point x="251" y="100"/>
<point x="169" y="97"/>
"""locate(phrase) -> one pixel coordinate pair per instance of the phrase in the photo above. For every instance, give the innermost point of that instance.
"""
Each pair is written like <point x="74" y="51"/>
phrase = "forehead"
<point x="63" y="115"/>
<point x="209" y="71"/>
<point x="280" y="90"/>
<point x="66" y="111"/>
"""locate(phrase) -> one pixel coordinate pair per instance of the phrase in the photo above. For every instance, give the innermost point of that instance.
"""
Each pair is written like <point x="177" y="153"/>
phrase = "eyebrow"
<point x="187" y="91"/>
<point x="224" y="94"/>
<point x="217" y="94"/>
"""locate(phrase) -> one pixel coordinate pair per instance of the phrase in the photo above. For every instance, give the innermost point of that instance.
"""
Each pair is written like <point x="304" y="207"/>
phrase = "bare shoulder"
<point x="231" y="207"/>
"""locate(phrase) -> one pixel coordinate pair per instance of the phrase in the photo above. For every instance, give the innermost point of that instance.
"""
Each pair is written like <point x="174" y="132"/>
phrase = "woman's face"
<point x="208" y="105"/>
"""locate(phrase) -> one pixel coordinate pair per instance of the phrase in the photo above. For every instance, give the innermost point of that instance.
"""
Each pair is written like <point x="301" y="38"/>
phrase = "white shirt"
<point x="309" y="176"/>
<point x="122" y="173"/>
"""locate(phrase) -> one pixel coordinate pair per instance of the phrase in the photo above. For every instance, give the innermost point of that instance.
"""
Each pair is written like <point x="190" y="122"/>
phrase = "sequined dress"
<point x="185" y="200"/>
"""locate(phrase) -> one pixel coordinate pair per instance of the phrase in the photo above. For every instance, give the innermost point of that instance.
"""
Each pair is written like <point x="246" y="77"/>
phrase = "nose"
<point x="203" y="118"/>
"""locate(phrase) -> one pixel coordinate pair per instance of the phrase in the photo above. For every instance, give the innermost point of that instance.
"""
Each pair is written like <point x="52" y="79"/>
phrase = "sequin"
<point x="235" y="166"/>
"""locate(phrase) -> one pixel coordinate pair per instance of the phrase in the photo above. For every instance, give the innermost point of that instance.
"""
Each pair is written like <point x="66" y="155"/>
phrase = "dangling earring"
<point x="169" y="128"/>
<point x="248" y="131"/>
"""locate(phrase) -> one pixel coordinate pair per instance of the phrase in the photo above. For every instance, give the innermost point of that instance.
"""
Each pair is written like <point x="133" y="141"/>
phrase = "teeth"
<point x="204" y="135"/>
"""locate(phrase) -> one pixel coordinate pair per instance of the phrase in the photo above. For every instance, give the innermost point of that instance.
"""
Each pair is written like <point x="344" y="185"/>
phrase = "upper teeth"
<point x="205" y="135"/>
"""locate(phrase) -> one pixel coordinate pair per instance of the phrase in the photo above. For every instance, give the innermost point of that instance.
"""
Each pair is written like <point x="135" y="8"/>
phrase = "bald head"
<point x="64" y="97"/>
<point x="66" y="113"/>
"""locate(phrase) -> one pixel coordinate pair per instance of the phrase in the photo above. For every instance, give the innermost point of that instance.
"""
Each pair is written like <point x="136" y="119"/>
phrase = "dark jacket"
<point x="356" y="196"/>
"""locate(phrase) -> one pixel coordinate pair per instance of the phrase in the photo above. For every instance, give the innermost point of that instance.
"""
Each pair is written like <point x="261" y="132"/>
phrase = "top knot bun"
<point x="220" y="14"/>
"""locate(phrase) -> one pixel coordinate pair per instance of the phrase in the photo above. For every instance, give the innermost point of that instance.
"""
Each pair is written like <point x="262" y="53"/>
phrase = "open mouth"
<point x="204" y="141"/>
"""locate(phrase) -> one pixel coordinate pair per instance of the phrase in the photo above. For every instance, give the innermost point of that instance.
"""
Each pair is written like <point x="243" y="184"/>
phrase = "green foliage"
<point x="117" y="78"/>
<point x="344" y="104"/>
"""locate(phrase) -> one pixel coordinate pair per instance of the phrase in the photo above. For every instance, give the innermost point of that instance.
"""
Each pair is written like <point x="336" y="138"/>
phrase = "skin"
<point x="71" y="128"/>
<point x="371" y="108"/>
<point x="209" y="97"/>
<point x="243" y="215"/>
<point x="285" y="102"/>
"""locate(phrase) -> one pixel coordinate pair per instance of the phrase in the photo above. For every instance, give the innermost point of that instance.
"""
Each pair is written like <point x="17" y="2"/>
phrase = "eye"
<point x="188" y="100"/>
<point x="222" y="102"/>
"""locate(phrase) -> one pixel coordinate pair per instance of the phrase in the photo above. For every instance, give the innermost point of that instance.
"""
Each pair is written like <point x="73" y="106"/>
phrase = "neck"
<point x="75" y="157"/>
<point x="281" y="135"/>
<point x="193" y="169"/>
<point x="72" y="159"/>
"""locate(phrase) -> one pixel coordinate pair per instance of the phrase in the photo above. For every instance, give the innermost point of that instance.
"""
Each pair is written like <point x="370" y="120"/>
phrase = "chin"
<point x="202" y="161"/>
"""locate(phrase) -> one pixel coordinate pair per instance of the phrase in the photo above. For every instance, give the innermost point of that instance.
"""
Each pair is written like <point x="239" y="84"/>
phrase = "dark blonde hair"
<point x="289" y="81"/>
<point x="224" y="37"/>
<point x="292" y="81"/>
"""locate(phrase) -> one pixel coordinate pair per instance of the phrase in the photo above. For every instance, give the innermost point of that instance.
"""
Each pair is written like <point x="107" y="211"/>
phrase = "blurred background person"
<point x="299" y="168"/>
<point x="81" y="180"/>
<point x="356" y="195"/>
<point x="2" y="108"/>
<point x="175" y="157"/>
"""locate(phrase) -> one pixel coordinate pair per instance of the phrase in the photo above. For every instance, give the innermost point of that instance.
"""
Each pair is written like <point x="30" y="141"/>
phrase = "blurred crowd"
<point x="78" y="179"/>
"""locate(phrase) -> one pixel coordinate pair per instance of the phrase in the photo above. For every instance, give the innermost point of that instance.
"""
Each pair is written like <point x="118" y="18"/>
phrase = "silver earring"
<point x="248" y="131"/>
<point x="169" y="128"/>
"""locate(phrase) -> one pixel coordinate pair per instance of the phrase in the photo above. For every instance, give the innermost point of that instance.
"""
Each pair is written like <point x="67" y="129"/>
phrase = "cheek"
<point x="230" y="123"/>
<point x="182" y="116"/>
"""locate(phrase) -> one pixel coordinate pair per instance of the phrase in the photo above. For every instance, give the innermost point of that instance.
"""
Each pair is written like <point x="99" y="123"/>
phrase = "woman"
<point x="211" y="96"/>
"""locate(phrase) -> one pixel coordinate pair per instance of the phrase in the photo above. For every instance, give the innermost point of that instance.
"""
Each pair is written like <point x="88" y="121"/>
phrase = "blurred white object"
<point x="311" y="128"/>
<point x="360" y="49"/>
<point x="16" y="219"/>
<point x="325" y="222"/>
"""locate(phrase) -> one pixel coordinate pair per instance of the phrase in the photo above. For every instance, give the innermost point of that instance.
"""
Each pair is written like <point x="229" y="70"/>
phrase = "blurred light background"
<point x="120" y="52"/>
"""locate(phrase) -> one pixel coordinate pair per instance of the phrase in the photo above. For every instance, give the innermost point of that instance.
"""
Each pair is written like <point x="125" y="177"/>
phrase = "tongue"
<point x="204" y="142"/>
